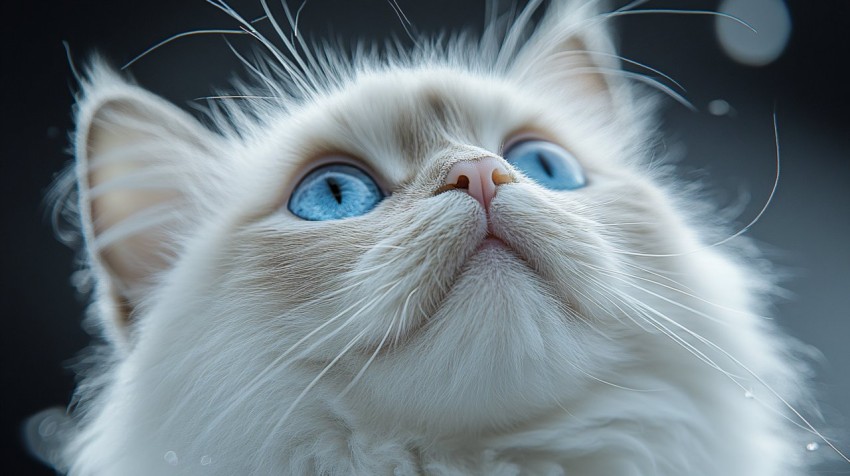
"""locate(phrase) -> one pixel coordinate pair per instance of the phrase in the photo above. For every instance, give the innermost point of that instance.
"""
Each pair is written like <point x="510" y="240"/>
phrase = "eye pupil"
<point x="335" y="190"/>
<point x="544" y="164"/>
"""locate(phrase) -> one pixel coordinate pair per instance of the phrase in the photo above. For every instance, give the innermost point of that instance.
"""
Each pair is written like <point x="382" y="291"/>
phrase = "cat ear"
<point x="140" y="166"/>
<point x="572" y="50"/>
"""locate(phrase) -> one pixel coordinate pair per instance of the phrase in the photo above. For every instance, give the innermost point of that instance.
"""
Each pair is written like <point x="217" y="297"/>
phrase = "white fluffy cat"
<point x="450" y="261"/>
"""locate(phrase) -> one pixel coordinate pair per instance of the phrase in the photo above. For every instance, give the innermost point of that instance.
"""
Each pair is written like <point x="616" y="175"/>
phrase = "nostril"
<point x="500" y="177"/>
<point x="462" y="182"/>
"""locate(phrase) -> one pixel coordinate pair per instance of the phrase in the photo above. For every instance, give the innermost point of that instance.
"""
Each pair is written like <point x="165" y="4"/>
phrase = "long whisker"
<point x="623" y="59"/>
<point x="304" y="392"/>
<point x="804" y="422"/>
<point x="375" y="268"/>
<point x="293" y="24"/>
<point x="178" y="36"/>
<point x="673" y="11"/>
<point x="232" y="96"/>
<point x="297" y="16"/>
<point x="278" y="364"/>
<point x="630" y="302"/>
<point x="402" y="18"/>
<point x="295" y="74"/>
<point x="374" y="354"/>
<point x="666" y="299"/>
<point x="290" y="47"/>
<point x="637" y="77"/>
<point x="256" y="71"/>
<point x="70" y="58"/>
<point x="739" y="232"/>
<point x="611" y="384"/>
<point x="659" y="274"/>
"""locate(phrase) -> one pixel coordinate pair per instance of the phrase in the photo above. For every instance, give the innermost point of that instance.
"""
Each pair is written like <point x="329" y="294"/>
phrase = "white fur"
<point x="611" y="340"/>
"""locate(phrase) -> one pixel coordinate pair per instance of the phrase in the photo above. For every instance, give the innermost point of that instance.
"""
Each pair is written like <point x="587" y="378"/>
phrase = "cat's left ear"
<point x="145" y="174"/>
<point x="571" y="51"/>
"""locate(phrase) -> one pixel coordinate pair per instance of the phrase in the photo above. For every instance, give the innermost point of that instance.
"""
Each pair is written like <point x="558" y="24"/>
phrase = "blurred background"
<point x="795" y="66"/>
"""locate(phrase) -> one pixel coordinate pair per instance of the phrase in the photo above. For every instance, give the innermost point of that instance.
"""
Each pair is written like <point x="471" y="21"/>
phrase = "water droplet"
<point x="749" y="394"/>
<point x="47" y="427"/>
<point x="719" y="107"/>
<point x="171" y="458"/>
<point x="813" y="446"/>
<point x="206" y="460"/>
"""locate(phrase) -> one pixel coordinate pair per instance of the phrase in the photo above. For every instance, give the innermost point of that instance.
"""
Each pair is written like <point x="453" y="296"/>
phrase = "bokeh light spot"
<point x="719" y="107"/>
<point x="769" y="17"/>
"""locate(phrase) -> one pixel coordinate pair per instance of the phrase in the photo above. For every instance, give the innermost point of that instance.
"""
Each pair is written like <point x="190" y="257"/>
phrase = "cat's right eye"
<point x="333" y="192"/>
<point x="547" y="163"/>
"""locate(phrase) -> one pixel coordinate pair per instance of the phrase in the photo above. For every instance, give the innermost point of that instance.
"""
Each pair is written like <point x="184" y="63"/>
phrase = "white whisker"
<point x="278" y="364"/>
<point x="371" y="358"/>
<point x="739" y="232"/>
<point x="621" y="58"/>
<point x="176" y="37"/>
<point x="402" y="18"/>
<point x="312" y="383"/>
<point x="673" y="11"/>
<point x="666" y="299"/>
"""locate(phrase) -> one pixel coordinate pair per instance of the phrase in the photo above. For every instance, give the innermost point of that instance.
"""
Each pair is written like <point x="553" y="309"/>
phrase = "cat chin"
<point x="495" y="352"/>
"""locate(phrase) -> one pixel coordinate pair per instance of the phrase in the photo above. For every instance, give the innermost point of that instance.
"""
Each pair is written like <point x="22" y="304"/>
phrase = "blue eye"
<point x="547" y="164"/>
<point x="334" y="191"/>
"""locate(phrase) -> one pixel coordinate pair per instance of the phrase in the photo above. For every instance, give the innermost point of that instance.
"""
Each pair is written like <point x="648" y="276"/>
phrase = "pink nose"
<point x="478" y="178"/>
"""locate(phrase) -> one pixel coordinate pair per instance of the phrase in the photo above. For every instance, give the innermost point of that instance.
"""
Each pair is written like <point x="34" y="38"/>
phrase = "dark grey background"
<point x="805" y="230"/>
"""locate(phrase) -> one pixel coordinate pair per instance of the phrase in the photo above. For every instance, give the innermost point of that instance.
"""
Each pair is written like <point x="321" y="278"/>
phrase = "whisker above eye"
<point x="178" y="36"/>
<point x="674" y="11"/>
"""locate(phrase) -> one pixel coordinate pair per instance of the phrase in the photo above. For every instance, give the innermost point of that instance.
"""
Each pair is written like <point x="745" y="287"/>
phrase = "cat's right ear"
<point x="571" y="52"/>
<point x="142" y="165"/>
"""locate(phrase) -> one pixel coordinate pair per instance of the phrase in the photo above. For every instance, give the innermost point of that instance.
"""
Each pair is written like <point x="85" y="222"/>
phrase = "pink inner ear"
<point x="576" y="60"/>
<point x="127" y="208"/>
<point x="570" y="51"/>
<point x="137" y="157"/>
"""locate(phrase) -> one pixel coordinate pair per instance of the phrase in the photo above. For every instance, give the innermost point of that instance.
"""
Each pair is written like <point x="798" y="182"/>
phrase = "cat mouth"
<point x="495" y="246"/>
<point x="492" y="241"/>
<point x="501" y="249"/>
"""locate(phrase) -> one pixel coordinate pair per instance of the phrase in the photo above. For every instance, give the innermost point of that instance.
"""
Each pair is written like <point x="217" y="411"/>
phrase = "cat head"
<point x="452" y="238"/>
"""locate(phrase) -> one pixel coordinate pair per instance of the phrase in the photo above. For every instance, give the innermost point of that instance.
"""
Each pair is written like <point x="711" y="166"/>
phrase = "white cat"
<point x="456" y="260"/>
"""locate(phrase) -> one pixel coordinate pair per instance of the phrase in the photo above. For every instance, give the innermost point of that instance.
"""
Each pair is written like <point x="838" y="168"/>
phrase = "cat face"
<point x="425" y="308"/>
<point x="416" y="294"/>
<point x="413" y="287"/>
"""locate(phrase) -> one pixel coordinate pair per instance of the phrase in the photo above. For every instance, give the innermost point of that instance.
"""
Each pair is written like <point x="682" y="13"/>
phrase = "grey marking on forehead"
<point x="435" y="120"/>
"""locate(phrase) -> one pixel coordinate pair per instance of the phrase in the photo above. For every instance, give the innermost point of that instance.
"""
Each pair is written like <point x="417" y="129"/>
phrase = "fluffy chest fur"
<point x="588" y="331"/>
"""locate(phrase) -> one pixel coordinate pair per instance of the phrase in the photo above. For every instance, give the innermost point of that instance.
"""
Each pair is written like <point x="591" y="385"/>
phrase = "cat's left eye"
<point x="333" y="192"/>
<point x="546" y="163"/>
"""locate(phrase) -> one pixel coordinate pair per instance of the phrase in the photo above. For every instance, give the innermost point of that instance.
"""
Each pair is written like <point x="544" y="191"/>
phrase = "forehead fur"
<point x="401" y="122"/>
<point x="398" y="119"/>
